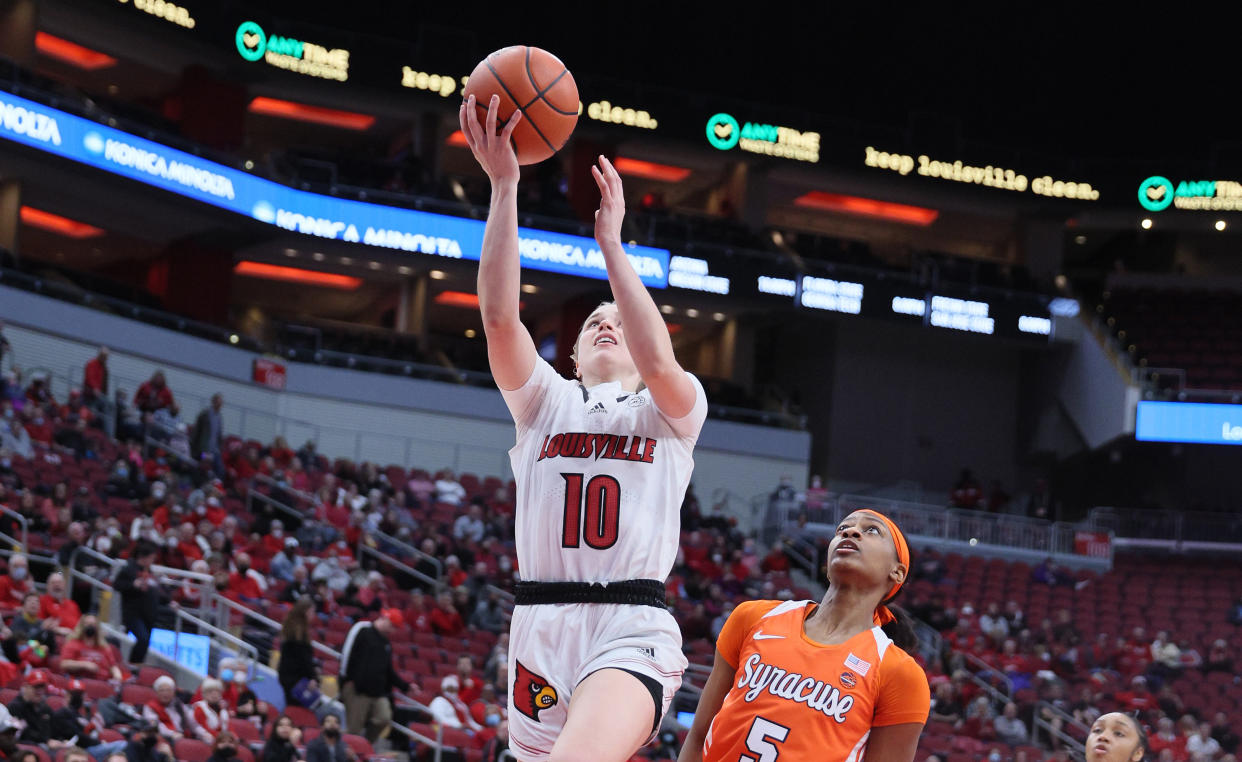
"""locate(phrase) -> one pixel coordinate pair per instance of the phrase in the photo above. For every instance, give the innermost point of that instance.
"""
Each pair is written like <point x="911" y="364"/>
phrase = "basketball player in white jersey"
<point x="602" y="467"/>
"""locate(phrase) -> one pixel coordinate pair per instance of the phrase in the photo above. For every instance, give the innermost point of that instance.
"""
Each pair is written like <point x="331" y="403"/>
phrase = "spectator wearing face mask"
<point x="449" y="710"/>
<point x="328" y="745"/>
<point x="146" y="745"/>
<point x="224" y="748"/>
<point x="15" y="584"/>
<point x="210" y="712"/>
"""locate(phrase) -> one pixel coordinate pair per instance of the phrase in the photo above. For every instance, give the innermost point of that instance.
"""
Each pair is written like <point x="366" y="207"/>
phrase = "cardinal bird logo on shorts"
<point x="531" y="693"/>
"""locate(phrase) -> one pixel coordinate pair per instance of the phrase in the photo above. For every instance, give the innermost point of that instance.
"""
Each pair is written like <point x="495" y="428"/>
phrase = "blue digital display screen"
<point x="189" y="650"/>
<point x="1200" y="422"/>
<point x="97" y="145"/>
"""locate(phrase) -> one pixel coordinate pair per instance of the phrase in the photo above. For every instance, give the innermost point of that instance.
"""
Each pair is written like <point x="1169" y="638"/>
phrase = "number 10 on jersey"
<point x="591" y="513"/>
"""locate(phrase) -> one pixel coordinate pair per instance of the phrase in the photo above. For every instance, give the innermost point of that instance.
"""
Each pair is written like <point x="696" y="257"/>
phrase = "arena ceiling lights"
<point x="72" y="53"/>
<point x="867" y="207"/>
<point x="650" y="170"/>
<point x="54" y="223"/>
<point x="347" y="120"/>
<point x="296" y="275"/>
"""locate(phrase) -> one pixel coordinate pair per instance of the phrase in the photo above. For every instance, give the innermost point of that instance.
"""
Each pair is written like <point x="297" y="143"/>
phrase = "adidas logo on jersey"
<point x="647" y="651"/>
<point x="599" y="408"/>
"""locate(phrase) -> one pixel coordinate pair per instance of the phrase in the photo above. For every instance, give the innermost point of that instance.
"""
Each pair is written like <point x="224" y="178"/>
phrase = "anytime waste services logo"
<point x="723" y="131"/>
<point x="1155" y="193"/>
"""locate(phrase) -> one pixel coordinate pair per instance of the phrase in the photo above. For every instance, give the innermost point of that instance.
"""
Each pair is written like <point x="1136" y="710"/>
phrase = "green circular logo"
<point x="723" y="132"/>
<point x="1156" y="193"/>
<point x="251" y="41"/>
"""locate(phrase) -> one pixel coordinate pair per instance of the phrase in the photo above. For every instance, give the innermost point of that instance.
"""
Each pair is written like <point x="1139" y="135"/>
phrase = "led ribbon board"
<point x="160" y="166"/>
<point x="1200" y="422"/>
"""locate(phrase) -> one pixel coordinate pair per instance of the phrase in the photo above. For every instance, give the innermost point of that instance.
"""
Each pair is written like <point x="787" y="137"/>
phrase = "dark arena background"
<point x="978" y="272"/>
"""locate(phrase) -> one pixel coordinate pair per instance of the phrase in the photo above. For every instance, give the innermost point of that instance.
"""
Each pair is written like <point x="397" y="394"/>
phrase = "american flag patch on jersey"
<point x="857" y="664"/>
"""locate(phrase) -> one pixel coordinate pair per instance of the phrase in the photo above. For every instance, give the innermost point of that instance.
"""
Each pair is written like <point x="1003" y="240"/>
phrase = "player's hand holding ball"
<point x="611" y="202"/>
<point x="493" y="151"/>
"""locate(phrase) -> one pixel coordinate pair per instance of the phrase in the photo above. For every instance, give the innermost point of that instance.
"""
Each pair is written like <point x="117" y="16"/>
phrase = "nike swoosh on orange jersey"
<point x="760" y="636"/>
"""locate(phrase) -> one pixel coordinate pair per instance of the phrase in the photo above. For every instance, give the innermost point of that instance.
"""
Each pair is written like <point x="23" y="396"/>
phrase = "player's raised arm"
<point x="510" y="350"/>
<point x="645" y="331"/>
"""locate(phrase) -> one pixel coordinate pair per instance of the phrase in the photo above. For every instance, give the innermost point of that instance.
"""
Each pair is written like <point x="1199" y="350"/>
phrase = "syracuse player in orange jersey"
<point x="798" y="681"/>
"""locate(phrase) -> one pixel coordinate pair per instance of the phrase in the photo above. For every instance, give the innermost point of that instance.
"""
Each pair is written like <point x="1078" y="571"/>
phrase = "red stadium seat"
<point x="359" y="745"/>
<point x="191" y="750"/>
<point x="39" y="752"/>
<point x="137" y="695"/>
<point x="147" y="675"/>
<point x="302" y="717"/>
<point x="247" y="731"/>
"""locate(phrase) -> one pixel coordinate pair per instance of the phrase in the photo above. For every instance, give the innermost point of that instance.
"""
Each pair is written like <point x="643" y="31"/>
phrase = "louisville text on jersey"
<point x="579" y="444"/>
<point x="816" y="694"/>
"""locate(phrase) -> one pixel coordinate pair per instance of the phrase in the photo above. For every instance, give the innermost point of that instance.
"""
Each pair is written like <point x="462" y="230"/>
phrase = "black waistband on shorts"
<point x="634" y="592"/>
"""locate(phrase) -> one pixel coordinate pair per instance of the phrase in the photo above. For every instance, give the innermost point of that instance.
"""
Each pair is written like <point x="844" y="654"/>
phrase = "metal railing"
<point x="396" y="563"/>
<point x="1045" y="719"/>
<point x="223" y="606"/>
<point x="21" y="543"/>
<point x="202" y="625"/>
<point x="293" y="513"/>
<point x="383" y="540"/>
<point x="932" y="524"/>
<point x="1177" y="530"/>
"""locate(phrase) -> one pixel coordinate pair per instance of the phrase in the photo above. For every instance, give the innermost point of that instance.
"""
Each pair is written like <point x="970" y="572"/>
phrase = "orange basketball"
<point x="536" y="82"/>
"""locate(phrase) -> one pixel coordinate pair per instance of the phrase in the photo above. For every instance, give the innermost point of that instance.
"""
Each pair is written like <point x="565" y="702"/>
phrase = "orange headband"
<point x="882" y="615"/>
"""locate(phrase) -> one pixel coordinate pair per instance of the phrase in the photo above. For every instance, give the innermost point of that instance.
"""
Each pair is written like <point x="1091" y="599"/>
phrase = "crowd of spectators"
<point x="1052" y="675"/>
<point x="364" y="558"/>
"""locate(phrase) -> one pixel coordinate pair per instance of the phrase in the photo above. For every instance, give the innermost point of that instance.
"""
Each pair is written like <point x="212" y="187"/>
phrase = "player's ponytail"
<point x="901" y="629"/>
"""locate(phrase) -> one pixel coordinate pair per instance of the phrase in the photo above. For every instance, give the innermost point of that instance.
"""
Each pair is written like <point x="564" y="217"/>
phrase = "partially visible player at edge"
<point x="798" y="681"/>
<point x="602" y="464"/>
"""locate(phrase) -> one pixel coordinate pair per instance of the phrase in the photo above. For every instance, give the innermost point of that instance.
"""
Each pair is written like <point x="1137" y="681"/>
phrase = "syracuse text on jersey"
<point x="816" y="694"/>
<point x="580" y="444"/>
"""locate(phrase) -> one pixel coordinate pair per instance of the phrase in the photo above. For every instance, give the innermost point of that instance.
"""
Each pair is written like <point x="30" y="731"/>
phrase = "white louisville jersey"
<point x="601" y="474"/>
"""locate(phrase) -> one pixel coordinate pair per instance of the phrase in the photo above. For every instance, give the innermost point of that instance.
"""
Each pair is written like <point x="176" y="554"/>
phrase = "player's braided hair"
<point x="1141" y="732"/>
<point x="901" y="629"/>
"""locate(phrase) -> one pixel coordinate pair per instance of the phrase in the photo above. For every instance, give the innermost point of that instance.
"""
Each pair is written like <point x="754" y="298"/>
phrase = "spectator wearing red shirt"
<point x="154" y="395"/>
<point x="187" y="544"/>
<point x="39" y="427"/>
<point x="967" y="493"/>
<point x="245" y="583"/>
<point x="1138" y="698"/>
<point x="274" y="541"/>
<point x="87" y="654"/>
<point x="453" y="573"/>
<point x="444" y="617"/>
<point x="15" y="584"/>
<point x="282" y="453"/>
<point x="211" y="712"/>
<point x="1167" y="737"/>
<point x="215" y="511"/>
<point x="775" y="561"/>
<point x="95" y="377"/>
<point x="470" y="686"/>
<point x="417" y="617"/>
<point x="57" y="606"/>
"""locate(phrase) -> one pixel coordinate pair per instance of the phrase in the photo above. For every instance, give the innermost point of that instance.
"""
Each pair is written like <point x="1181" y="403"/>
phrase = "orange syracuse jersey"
<point x="796" y="699"/>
